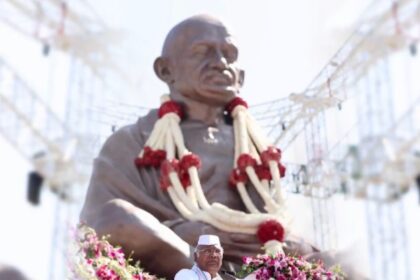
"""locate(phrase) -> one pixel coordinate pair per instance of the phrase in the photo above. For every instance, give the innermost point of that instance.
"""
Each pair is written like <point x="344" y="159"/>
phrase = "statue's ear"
<point x="163" y="70"/>
<point x="241" y="77"/>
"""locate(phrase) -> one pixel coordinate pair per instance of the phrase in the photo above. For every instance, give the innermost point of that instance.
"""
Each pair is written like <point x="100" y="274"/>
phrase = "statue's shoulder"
<point x="132" y="136"/>
<point x="138" y="131"/>
<point x="145" y="124"/>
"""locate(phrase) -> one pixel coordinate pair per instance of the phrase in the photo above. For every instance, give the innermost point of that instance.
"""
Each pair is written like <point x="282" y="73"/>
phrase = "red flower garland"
<point x="233" y="103"/>
<point x="157" y="158"/>
<point x="139" y="162"/>
<point x="150" y="158"/>
<point x="164" y="182"/>
<point x="282" y="170"/>
<point x="270" y="230"/>
<point x="272" y="153"/>
<point x="170" y="107"/>
<point x="263" y="172"/>
<point x="245" y="160"/>
<point x="237" y="176"/>
<point x="186" y="162"/>
<point x="167" y="167"/>
<point x="190" y="160"/>
<point x="184" y="177"/>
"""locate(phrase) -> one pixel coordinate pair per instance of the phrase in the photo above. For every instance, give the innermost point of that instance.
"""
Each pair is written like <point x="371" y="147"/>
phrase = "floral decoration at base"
<point x="95" y="258"/>
<point x="283" y="267"/>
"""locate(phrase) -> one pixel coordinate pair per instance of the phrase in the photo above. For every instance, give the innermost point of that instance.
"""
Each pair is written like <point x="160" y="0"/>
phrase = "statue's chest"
<point x="216" y="151"/>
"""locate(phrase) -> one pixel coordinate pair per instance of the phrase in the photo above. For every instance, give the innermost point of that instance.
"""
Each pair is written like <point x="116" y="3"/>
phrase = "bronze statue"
<point x="199" y="63"/>
<point x="11" y="273"/>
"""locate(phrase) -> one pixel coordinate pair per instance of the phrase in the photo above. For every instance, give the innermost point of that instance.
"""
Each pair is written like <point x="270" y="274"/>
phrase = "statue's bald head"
<point x="186" y="30"/>
<point x="199" y="62"/>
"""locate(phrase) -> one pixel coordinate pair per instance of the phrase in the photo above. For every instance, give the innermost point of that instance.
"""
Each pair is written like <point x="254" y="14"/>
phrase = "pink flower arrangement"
<point x="283" y="267"/>
<point x="95" y="258"/>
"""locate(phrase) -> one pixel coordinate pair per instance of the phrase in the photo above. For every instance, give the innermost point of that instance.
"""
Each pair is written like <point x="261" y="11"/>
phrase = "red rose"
<point x="270" y="230"/>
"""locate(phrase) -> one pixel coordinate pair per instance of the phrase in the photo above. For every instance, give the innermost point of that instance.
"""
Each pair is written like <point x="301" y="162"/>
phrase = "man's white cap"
<point x="209" y="239"/>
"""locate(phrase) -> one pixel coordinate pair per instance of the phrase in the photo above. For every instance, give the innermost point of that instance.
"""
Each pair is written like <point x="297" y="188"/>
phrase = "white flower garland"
<point x="191" y="202"/>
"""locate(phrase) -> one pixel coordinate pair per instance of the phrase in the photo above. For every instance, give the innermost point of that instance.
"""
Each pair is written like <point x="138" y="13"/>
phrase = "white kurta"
<point x="195" y="273"/>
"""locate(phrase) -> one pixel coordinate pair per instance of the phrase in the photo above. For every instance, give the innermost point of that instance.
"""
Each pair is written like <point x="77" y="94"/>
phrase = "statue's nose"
<point x="219" y="60"/>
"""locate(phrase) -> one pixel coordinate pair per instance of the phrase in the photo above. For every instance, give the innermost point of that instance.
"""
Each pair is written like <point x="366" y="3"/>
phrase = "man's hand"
<point x="235" y="245"/>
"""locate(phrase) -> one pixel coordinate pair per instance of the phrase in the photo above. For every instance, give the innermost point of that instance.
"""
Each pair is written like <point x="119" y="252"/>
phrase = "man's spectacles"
<point x="209" y="252"/>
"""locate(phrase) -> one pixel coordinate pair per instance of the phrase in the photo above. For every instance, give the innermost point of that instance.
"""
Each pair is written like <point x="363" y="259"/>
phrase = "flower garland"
<point x="256" y="162"/>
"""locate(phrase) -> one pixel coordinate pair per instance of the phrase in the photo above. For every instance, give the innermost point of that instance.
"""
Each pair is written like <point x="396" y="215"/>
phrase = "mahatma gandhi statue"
<point x="199" y="64"/>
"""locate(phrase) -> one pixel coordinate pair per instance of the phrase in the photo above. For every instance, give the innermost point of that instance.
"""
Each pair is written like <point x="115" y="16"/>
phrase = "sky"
<point x="282" y="48"/>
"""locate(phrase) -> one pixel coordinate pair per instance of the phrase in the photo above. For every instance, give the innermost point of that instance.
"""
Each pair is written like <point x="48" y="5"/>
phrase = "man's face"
<point x="205" y="64"/>
<point x="209" y="258"/>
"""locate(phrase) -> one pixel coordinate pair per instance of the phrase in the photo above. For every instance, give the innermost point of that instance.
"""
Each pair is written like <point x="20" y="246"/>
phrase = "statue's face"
<point x="209" y="258"/>
<point x="205" y="64"/>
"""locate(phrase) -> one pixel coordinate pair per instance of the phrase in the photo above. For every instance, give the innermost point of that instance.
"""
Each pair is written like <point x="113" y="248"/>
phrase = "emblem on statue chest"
<point x="210" y="136"/>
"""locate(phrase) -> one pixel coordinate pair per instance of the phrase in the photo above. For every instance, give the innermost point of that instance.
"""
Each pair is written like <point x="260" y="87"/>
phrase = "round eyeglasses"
<point x="210" y="251"/>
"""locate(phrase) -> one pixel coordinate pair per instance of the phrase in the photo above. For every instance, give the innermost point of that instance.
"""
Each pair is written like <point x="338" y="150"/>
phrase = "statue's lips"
<point x="224" y="78"/>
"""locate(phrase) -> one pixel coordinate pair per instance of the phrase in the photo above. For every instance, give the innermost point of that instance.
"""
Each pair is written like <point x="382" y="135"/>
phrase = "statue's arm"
<point x="125" y="203"/>
<point x="115" y="176"/>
